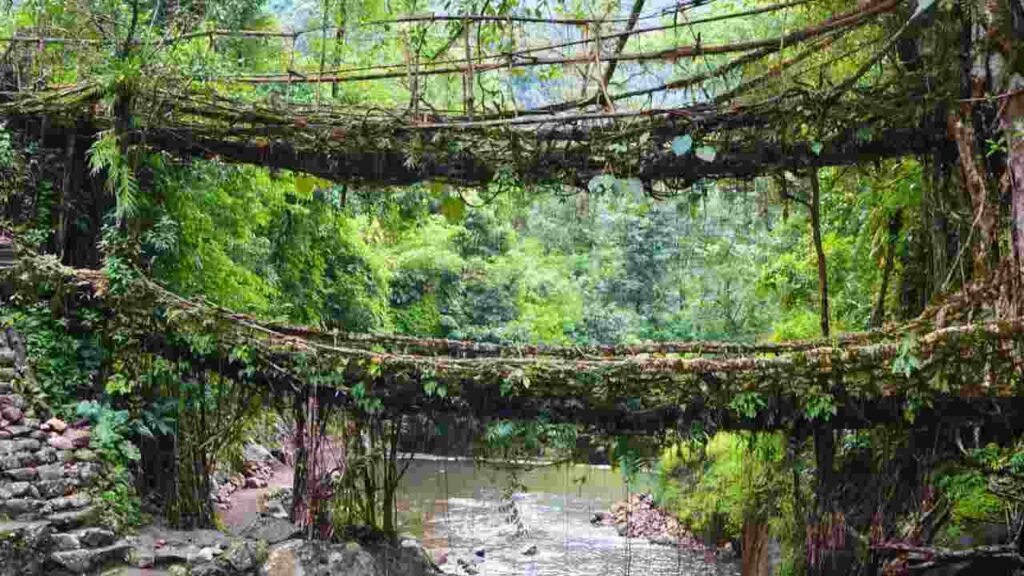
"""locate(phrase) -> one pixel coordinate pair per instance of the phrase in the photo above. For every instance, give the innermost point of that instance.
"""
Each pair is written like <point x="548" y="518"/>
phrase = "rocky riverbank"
<point x="273" y="547"/>
<point x="639" y="517"/>
<point x="257" y="471"/>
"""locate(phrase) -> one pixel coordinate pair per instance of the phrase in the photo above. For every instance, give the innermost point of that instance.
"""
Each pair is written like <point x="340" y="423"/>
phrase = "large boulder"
<point x="271" y="530"/>
<point x="297" y="557"/>
<point x="257" y="453"/>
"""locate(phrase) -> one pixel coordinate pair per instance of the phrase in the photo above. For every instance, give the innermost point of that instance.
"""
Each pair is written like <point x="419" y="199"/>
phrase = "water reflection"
<point x="452" y="506"/>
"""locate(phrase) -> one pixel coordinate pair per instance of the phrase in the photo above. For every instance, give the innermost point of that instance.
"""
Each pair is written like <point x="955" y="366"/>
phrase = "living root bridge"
<point x="377" y="148"/>
<point x="961" y="373"/>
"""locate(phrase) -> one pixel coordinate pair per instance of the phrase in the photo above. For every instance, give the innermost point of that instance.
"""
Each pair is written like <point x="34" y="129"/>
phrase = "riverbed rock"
<point x="244" y="556"/>
<point x="663" y="540"/>
<point x="467" y="567"/>
<point x="271" y="530"/>
<point x="208" y="569"/>
<point x="275" y="508"/>
<point x="530" y="550"/>
<point x="297" y="557"/>
<point x="206" y="554"/>
<point x="257" y="453"/>
<point x="639" y="517"/>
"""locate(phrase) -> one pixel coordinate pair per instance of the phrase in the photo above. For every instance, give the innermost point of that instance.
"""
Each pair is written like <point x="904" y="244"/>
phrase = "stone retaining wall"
<point x="47" y="516"/>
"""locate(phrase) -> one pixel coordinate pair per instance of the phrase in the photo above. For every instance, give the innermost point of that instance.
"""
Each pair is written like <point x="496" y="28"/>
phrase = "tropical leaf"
<point x="682" y="144"/>
<point x="706" y="153"/>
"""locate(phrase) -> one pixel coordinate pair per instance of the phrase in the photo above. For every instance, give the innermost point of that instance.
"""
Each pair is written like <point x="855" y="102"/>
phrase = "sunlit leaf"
<point x="453" y="209"/>
<point x="922" y="7"/>
<point x="304" y="185"/>
<point x="601" y="183"/>
<point x="706" y="153"/>
<point x="682" y="144"/>
<point x="437" y="189"/>
<point x="631" y="186"/>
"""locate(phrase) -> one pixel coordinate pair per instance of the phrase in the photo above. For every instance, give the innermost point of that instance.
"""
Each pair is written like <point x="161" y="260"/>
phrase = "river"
<point x="453" y="506"/>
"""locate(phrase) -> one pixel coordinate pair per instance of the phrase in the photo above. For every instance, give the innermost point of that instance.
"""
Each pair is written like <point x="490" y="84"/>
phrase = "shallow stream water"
<point x="452" y="506"/>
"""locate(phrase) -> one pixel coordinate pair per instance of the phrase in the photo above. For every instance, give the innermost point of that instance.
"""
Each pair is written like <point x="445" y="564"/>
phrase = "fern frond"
<point x="105" y="155"/>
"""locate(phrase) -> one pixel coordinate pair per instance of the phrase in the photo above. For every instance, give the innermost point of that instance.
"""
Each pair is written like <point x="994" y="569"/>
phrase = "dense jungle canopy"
<point x="637" y="223"/>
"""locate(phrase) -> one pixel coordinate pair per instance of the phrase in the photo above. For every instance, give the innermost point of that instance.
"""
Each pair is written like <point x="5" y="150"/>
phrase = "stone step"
<point x="11" y="530"/>
<point x="15" y="400"/>
<point x="6" y="357"/>
<point x="65" y="521"/>
<point x="91" y="560"/>
<point x="90" y="537"/>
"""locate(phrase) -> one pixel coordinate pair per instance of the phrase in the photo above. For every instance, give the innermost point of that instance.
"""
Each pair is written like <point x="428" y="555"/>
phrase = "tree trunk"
<point x="973" y="182"/>
<point x="66" y="191"/>
<point x="878" y="314"/>
<point x="1013" y="127"/>
<point x="819" y="250"/>
<point x="755" y="549"/>
<point x="609" y="72"/>
<point x="301" y="462"/>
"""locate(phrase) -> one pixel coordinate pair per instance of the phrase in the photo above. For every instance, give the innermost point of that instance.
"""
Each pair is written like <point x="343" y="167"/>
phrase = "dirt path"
<point x="245" y="502"/>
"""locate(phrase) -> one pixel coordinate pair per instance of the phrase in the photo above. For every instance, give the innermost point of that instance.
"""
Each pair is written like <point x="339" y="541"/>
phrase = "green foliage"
<point x="906" y="362"/>
<point x="106" y="156"/>
<point x="747" y="404"/>
<point x="278" y="246"/>
<point x="734" y="477"/>
<point x="7" y="152"/>
<point x="120" y="510"/>
<point x="111" y="432"/>
<point x="66" y="363"/>
<point x="520" y="440"/>
<point x="820" y="406"/>
<point x="111" y="437"/>
<point x="968" y="491"/>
